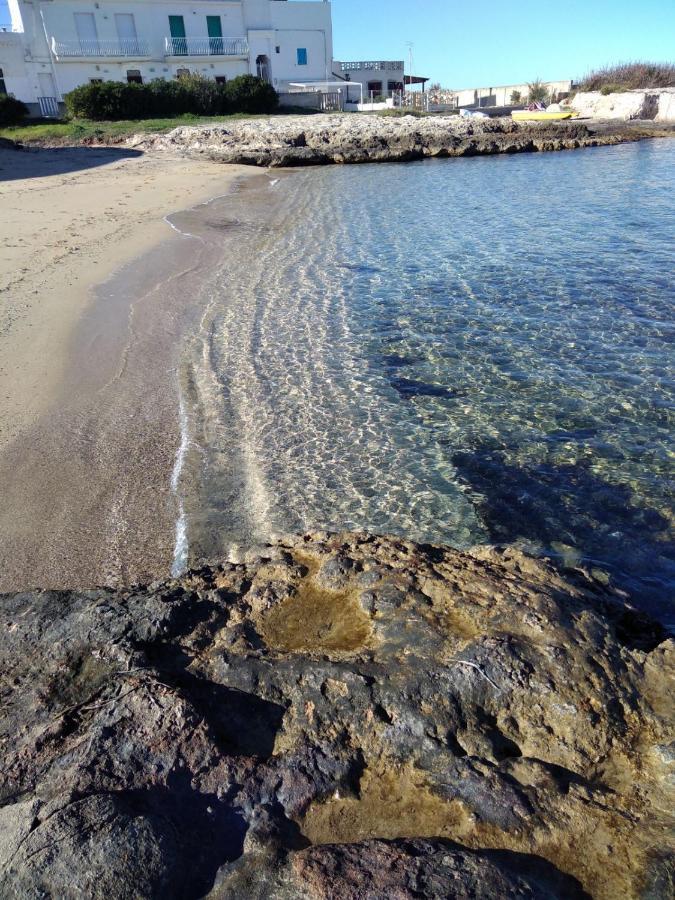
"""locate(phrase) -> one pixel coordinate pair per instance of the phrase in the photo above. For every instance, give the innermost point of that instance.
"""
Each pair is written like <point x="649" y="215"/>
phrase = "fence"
<point x="49" y="107"/>
<point x="327" y="101"/>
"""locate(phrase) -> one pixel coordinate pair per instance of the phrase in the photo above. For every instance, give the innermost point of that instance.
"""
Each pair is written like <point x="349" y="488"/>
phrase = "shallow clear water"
<point x="460" y="351"/>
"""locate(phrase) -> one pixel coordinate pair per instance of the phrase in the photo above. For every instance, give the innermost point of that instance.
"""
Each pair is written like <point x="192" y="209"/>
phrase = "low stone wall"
<point x="657" y="104"/>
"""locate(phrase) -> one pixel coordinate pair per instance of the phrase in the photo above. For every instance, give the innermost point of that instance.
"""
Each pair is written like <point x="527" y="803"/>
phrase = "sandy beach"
<point x="87" y="376"/>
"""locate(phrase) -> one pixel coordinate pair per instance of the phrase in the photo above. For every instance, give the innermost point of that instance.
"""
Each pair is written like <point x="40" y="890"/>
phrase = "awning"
<point x="415" y="79"/>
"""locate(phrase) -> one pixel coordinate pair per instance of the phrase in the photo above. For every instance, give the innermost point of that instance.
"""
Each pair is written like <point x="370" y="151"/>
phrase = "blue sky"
<point x="492" y="42"/>
<point x="483" y="43"/>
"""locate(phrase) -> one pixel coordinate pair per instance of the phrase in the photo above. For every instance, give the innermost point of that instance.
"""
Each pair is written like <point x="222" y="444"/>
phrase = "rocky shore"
<point x="322" y="139"/>
<point x="340" y="716"/>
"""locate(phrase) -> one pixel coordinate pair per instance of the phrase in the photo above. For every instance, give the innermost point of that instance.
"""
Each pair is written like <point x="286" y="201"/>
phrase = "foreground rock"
<point x="322" y="139"/>
<point x="336" y="717"/>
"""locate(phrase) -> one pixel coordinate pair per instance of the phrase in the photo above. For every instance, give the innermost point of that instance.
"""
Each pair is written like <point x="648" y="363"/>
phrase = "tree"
<point x="537" y="92"/>
<point x="516" y="98"/>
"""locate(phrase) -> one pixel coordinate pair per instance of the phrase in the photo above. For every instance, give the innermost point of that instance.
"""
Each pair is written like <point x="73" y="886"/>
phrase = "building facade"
<point x="56" y="45"/>
<point x="379" y="78"/>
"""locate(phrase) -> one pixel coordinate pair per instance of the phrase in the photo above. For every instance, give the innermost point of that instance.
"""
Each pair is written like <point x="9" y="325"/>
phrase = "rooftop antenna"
<point x="409" y="45"/>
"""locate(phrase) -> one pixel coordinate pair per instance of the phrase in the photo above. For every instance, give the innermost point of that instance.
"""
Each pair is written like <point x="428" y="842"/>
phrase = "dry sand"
<point x="88" y="417"/>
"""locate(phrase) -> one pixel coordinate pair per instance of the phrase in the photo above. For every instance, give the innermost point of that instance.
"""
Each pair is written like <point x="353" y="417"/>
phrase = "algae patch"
<point x="392" y="803"/>
<point x="315" y="618"/>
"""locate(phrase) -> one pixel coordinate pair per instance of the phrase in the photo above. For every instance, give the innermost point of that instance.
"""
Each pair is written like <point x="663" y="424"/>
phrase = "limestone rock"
<point x="337" y="716"/>
<point x="317" y="140"/>
<point x="658" y="104"/>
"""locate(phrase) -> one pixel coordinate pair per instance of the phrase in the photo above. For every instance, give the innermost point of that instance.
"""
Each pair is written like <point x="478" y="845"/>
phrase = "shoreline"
<point x="327" y="139"/>
<point x="90" y="346"/>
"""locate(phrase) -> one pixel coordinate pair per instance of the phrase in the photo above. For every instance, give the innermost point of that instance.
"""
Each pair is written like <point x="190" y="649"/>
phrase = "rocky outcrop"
<point x="341" y="716"/>
<point x="657" y="104"/>
<point x="322" y="139"/>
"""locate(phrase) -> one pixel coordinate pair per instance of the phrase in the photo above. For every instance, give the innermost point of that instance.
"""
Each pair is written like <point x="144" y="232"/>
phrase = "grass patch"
<point x="85" y="131"/>
<point x="629" y="76"/>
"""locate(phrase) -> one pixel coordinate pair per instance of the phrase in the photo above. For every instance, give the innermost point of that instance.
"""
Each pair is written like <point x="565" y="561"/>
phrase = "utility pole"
<point x="409" y="45"/>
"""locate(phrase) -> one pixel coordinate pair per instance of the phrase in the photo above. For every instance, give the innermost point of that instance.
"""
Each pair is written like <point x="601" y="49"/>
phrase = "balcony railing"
<point x="372" y="66"/>
<point x="206" y="46"/>
<point x="95" y="49"/>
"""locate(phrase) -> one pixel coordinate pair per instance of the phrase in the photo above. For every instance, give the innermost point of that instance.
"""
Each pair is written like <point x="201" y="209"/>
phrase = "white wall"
<point x="501" y="96"/>
<point x="15" y="73"/>
<point x="267" y="24"/>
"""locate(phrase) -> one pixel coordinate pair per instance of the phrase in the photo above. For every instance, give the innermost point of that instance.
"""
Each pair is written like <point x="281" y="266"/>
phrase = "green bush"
<point x="12" y="111"/>
<point x="113" y="100"/>
<point x="246" y="93"/>
<point x="629" y="76"/>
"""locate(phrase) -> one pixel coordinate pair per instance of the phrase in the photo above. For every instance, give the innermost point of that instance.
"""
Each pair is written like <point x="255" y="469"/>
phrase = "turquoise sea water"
<point x="460" y="351"/>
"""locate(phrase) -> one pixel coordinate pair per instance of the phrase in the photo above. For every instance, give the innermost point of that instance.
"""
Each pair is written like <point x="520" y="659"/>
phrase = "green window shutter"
<point x="178" y="41"/>
<point x="215" y="31"/>
<point x="214" y="26"/>
<point x="176" y="26"/>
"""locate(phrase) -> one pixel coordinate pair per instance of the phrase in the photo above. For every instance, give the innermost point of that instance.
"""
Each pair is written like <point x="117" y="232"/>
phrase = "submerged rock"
<point x="317" y="140"/>
<point x="338" y="716"/>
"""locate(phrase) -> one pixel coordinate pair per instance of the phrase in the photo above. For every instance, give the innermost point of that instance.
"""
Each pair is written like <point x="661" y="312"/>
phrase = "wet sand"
<point x="89" y="424"/>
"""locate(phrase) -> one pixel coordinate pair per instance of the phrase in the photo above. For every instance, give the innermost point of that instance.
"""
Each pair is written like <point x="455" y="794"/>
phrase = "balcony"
<point x="206" y="46"/>
<point x="95" y="49"/>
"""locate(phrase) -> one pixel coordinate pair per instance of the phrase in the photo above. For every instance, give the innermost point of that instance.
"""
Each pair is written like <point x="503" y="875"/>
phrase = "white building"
<point x="57" y="45"/>
<point x="379" y="78"/>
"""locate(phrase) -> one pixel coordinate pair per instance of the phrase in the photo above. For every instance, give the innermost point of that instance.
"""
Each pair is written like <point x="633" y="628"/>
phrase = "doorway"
<point x="262" y="67"/>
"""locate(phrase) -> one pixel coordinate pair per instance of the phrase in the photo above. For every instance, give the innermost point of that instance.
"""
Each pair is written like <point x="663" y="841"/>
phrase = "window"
<point x="214" y="29"/>
<point x="302" y="56"/>
<point x="277" y="49"/>
<point x="375" y="87"/>
<point x="221" y="79"/>
<point x="177" y="32"/>
<point x="134" y="76"/>
<point x="126" y="33"/>
<point x="87" y="36"/>
<point x="95" y="81"/>
<point x="182" y="73"/>
<point x="3" y="89"/>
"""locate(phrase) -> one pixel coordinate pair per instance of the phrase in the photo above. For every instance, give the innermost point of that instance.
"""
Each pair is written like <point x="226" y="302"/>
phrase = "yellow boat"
<point x="539" y="115"/>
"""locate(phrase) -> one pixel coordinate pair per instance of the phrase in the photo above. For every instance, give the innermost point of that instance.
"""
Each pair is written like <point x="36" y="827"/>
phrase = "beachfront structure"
<point x="487" y="97"/>
<point x="56" y="45"/>
<point x="378" y="78"/>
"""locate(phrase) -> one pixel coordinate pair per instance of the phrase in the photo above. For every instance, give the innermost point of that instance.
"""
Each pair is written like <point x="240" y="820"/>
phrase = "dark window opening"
<point x="95" y="81"/>
<point x="375" y="87"/>
<point x="182" y="73"/>
<point x="134" y="76"/>
<point x="3" y="88"/>
<point x="221" y="79"/>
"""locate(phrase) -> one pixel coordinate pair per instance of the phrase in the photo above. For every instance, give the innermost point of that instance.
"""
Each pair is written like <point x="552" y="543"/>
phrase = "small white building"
<point x="379" y="78"/>
<point x="56" y="45"/>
